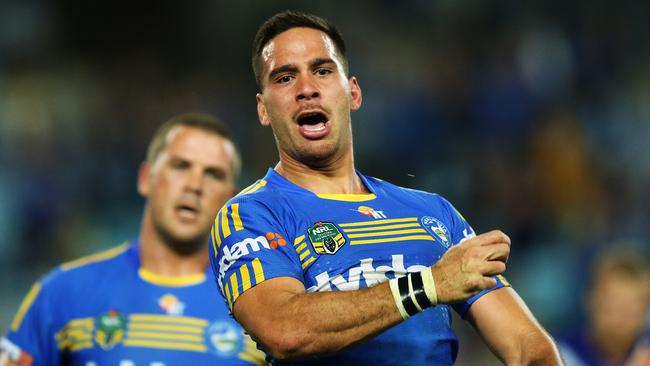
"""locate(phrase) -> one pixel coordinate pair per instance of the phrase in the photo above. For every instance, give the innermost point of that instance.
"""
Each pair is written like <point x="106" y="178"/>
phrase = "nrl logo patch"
<point x="325" y="237"/>
<point x="436" y="228"/>
<point x="110" y="329"/>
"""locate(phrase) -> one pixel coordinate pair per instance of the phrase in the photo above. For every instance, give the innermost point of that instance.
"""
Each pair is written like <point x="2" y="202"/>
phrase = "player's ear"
<point x="355" y="93"/>
<point x="261" y="110"/>
<point x="144" y="175"/>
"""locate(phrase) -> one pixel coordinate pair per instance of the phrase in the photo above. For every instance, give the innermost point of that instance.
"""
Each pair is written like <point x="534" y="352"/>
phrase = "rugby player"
<point x="324" y="265"/>
<point x="147" y="302"/>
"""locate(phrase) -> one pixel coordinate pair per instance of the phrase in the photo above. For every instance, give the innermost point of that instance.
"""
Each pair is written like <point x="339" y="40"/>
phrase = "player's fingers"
<point x="495" y="252"/>
<point x="489" y="238"/>
<point x="493" y="237"/>
<point x="498" y="252"/>
<point x="492" y="268"/>
<point x="487" y="282"/>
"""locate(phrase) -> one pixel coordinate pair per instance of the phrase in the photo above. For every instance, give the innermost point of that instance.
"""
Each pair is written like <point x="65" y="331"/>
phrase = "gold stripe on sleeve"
<point x="214" y="242"/>
<point x="25" y="305"/>
<point x="226" y="290"/>
<point x="301" y="248"/>
<point x="245" y="278"/>
<point x="217" y="234"/>
<point x="235" y="217"/>
<point x="304" y="254"/>
<point x="258" y="271"/>
<point x="225" y="228"/>
<point x="503" y="279"/>
<point x="97" y="257"/>
<point x="259" y="185"/>
<point x="308" y="262"/>
<point x="234" y="286"/>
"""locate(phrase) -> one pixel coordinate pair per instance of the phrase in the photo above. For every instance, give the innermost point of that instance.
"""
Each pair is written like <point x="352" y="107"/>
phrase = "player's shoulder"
<point x="86" y="268"/>
<point x="264" y="194"/>
<point x="394" y="189"/>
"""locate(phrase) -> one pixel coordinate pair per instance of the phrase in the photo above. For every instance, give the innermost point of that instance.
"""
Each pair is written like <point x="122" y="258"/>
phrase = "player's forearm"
<point x="312" y="324"/>
<point x="534" y="349"/>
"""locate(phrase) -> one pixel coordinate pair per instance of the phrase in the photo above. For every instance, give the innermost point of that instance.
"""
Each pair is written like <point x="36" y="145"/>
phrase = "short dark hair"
<point x="282" y="22"/>
<point x="202" y="121"/>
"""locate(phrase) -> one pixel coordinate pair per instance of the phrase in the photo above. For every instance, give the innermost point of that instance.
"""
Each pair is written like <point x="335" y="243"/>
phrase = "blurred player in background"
<point x="618" y="306"/>
<point x="148" y="301"/>
<point x="324" y="265"/>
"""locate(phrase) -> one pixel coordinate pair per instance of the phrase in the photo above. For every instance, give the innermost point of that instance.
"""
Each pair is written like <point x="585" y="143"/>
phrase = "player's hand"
<point x="469" y="267"/>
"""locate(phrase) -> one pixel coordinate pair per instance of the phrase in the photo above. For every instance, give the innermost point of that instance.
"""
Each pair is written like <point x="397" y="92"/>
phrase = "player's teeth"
<point x="317" y="127"/>
<point x="187" y="212"/>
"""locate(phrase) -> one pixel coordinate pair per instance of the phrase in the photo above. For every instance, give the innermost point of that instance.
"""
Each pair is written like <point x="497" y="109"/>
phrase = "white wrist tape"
<point x="429" y="286"/>
<point x="413" y="292"/>
<point x="398" y="300"/>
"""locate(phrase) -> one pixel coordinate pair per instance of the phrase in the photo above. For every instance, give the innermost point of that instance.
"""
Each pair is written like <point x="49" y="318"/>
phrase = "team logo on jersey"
<point x="171" y="305"/>
<point x="436" y="228"/>
<point x="224" y="338"/>
<point x="369" y="211"/>
<point x="326" y="238"/>
<point x="110" y="329"/>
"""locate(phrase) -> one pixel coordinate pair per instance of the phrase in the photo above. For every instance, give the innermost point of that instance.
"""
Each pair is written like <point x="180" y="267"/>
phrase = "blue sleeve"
<point x="461" y="231"/>
<point x="249" y="245"/>
<point x="31" y="338"/>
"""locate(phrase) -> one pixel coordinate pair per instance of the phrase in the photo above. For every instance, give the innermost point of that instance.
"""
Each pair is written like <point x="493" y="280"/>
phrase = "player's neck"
<point x="158" y="258"/>
<point x="336" y="177"/>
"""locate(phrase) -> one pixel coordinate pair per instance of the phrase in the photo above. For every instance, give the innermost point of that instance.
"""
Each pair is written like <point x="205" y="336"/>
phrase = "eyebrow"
<point x="281" y="69"/>
<point x="292" y="68"/>
<point x="320" y="62"/>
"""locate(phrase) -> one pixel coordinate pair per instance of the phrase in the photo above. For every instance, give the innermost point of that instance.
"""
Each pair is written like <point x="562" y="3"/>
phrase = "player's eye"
<point x="283" y="79"/>
<point x="217" y="174"/>
<point x="179" y="164"/>
<point x="323" y="71"/>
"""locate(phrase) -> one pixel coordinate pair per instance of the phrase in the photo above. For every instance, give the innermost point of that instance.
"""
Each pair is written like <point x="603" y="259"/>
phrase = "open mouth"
<point x="312" y="118"/>
<point x="188" y="212"/>
<point x="313" y="124"/>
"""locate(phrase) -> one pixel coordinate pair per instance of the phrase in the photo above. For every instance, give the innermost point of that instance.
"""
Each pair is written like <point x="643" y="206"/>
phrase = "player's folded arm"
<point x="260" y="276"/>
<point x="253" y="251"/>
<point x="510" y="330"/>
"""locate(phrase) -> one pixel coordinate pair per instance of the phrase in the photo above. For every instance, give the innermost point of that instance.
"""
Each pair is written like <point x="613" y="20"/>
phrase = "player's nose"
<point x="306" y="89"/>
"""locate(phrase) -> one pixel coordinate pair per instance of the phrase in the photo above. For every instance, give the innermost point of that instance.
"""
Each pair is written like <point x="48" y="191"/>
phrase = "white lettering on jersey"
<point x="370" y="274"/>
<point x="233" y="253"/>
<point x="467" y="234"/>
<point x="128" y="363"/>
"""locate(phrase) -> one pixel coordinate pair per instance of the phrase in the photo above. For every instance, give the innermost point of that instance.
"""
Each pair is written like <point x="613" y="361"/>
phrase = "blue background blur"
<point x="533" y="118"/>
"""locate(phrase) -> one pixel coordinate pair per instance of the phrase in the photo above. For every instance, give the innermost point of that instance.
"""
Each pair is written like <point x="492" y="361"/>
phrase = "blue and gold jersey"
<point x="275" y="228"/>
<point x="104" y="310"/>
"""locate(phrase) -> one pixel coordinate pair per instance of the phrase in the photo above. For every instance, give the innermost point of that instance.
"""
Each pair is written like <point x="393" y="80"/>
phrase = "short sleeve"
<point x="31" y="339"/>
<point x="461" y="231"/>
<point x="248" y="245"/>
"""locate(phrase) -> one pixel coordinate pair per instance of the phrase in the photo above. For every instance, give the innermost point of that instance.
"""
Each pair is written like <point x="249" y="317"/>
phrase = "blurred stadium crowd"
<point x="530" y="117"/>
